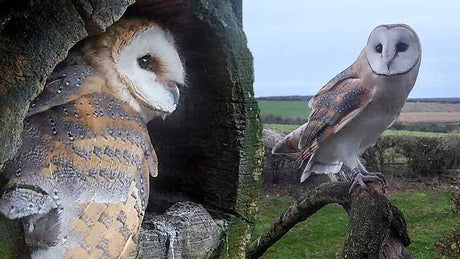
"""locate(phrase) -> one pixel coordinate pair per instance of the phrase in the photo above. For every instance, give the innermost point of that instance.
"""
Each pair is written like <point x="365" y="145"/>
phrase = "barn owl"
<point x="351" y="111"/>
<point x="80" y="182"/>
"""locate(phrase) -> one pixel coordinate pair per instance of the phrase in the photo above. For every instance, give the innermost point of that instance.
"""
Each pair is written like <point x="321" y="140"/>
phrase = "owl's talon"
<point x="381" y="176"/>
<point x="361" y="179"/>
<point x="358" y="181"/>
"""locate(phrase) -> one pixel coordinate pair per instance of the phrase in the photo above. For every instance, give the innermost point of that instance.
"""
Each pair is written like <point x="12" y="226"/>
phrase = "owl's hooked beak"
<point x="173" y="88"/>
<point x="388" y="57"/>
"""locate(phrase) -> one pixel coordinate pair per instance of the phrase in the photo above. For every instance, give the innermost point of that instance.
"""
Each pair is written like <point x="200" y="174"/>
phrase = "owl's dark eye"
<point x="379" y="48"/>
<point x="149" y="63"/>
<point x="144" y="61"/>
<point x="401" y="47"/>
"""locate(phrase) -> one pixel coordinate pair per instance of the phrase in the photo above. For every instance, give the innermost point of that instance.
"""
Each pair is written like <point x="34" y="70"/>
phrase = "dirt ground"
<point x="431" y="107"/>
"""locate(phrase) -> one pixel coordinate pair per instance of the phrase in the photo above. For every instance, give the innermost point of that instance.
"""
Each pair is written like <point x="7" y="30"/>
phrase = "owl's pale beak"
<point x="174" y="90"/>
<point x="388" y="57"/>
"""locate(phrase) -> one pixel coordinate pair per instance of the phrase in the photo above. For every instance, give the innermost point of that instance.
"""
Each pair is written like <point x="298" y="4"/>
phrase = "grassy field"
<point x="289" y="127"/>
<point x="428" y="214"/>
<point x="295" y="109"/>
<point x="416" y="133"/>
<point x="413" y="112"/>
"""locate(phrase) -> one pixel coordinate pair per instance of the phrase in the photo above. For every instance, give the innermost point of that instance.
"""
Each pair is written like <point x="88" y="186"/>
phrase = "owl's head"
<point x="393" y="49"/>
<point x="141" y="65"/>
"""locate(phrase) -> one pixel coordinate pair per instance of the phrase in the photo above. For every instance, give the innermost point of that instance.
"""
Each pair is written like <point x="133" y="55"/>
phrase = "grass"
<point x="293" y="112"/>
<point x="291" y="127"/>
<point x="292" y="109"/>
<point x="429" y="217"/>
<point x="417" y="133"/>
<point x="427" y="213"/>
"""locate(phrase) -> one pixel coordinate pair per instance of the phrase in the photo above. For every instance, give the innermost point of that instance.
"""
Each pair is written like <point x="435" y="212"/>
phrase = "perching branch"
<point x="322" y="195"/>
<point x="370" y="218"/>
<point x="376" y="228"/>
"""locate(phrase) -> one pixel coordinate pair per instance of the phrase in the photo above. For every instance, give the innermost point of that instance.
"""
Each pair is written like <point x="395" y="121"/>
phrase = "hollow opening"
<point x="201" y="145"/>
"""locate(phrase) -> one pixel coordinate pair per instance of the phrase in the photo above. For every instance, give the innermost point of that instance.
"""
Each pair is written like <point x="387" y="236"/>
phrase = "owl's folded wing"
<point x="65" y="84"/>
<point x="332" y="108"/>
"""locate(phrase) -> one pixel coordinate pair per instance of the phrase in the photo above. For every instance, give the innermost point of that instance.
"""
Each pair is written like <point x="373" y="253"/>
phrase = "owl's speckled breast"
<point x="88" y="162"/>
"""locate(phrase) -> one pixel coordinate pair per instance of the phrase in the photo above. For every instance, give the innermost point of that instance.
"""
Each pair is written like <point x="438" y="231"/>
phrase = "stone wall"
<point x="281" y="173"/>
<point x="278" y="169"/>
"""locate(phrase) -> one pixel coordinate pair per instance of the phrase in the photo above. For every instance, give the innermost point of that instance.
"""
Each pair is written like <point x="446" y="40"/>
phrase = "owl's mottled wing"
<point x="336" y="104"/>
<point x="65" y="84"/>
<point x="348" y="73"/>
<point x="290" y="143"/>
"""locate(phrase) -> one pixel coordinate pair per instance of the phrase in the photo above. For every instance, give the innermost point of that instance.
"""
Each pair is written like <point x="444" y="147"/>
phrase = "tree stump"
<point x="185" y="230"/>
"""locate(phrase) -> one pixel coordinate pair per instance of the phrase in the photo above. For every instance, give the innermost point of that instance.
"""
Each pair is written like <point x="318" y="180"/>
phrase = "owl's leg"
<point x="365" y="172"/>
<point x="361" y="176"/>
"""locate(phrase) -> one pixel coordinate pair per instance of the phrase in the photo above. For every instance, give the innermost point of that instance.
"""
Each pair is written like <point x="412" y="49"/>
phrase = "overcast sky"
<point x="300" y="45"/>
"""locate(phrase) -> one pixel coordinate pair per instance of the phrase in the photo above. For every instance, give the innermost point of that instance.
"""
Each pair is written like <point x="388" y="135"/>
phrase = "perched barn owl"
<point x="351" y="111"/>
<point x="80" y="181"/>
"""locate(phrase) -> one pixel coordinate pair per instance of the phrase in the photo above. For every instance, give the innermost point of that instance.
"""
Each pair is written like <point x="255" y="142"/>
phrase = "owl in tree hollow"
<point x="80" y="181"/>
<point x="351" y="111"/>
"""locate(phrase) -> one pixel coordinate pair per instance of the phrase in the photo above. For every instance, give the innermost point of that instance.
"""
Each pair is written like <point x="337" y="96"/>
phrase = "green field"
<point x="292" y="109"/>
<point x="436" y="117"/>
<point x="290" y="127"/>
<point x="416" y="133"/>
<point x="428" y="214"/>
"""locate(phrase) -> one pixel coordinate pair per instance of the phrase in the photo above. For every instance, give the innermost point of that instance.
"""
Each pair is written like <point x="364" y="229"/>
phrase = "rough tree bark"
<point x="376" y="228"/>
<point x="370" y="219"/>
<point x="185" y="230"/>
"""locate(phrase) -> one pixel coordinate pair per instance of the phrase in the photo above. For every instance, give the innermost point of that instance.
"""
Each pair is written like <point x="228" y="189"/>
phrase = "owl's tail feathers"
<point x="316" y="167"/>
<point x="290" y="143"/>
<point x="21" y="201"/>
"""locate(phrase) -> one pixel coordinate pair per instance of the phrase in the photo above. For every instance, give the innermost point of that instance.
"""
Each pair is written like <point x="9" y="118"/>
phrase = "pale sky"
<point x="299" y="45"/>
